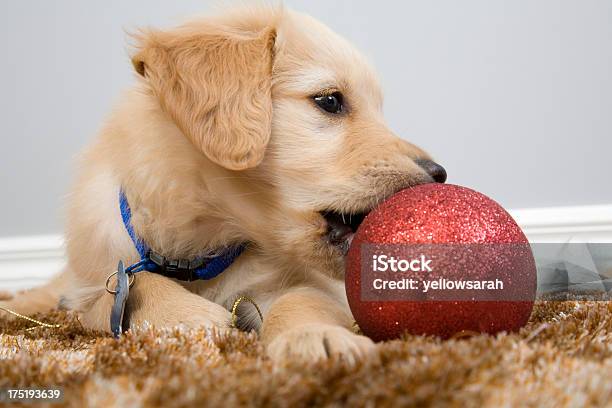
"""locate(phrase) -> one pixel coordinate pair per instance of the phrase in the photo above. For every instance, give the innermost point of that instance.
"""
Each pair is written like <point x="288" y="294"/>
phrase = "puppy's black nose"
<point x="432" y="168"/>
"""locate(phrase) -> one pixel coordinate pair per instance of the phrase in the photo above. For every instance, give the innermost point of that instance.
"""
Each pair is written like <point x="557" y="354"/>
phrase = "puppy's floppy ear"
<point x="216" y="86"/>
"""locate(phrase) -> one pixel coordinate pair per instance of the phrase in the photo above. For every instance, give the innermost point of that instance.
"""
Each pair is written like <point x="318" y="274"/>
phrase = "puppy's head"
<point x="294" y="113"/>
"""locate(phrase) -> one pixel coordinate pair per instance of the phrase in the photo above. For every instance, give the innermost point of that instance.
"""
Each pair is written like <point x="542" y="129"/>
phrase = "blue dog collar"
<point x="207" y="267"/>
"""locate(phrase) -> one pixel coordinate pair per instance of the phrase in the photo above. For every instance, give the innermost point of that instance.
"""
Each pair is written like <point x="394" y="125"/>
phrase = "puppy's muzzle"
<point x="437" y="172"/>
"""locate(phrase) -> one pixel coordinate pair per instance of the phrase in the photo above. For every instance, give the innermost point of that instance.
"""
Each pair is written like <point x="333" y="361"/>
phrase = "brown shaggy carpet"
<point x="562" y="358"/>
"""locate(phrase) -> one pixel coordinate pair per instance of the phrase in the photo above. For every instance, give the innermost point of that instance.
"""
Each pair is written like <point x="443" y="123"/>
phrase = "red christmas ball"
<point x="439" y="259"/>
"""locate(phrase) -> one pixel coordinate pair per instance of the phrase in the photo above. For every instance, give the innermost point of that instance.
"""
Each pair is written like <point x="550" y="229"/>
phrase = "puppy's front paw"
<point x="212" y="315"/>
<point x="193" y="312"/>
<point x="318" y="341"/>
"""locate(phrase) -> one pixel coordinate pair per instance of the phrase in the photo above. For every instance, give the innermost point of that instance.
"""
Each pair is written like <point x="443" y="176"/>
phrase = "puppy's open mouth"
<point x="341" y="228"/>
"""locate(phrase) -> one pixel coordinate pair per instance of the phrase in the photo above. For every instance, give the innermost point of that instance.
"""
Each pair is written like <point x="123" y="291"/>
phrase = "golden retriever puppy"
<point x="257" y="127"/>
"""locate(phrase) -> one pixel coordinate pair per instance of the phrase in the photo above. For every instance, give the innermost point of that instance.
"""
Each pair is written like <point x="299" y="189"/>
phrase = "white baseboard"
<point x="592" y="223"/>
<point x="30" y="261"/>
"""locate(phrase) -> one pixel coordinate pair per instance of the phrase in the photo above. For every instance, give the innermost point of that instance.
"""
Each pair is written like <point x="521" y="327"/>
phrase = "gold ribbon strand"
<point x="235" y="308"/>
<point x="29" y="319"/>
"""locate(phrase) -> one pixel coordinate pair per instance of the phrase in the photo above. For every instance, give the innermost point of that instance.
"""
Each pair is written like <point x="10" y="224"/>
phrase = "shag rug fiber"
<point x="562" y="358"/>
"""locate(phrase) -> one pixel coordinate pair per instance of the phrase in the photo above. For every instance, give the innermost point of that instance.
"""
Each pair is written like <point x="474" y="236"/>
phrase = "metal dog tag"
<point x="122" y="291"/>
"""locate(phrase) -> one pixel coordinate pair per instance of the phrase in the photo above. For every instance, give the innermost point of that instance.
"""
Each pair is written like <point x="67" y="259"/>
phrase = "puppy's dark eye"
<point x="331" y="103"/>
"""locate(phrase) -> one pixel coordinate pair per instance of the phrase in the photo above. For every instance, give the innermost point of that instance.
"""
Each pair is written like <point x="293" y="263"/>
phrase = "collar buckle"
<point x="181" y="269"/>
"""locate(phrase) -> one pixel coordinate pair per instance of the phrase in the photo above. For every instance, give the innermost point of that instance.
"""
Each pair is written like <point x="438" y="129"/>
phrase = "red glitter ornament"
<point x="468" y="237"/>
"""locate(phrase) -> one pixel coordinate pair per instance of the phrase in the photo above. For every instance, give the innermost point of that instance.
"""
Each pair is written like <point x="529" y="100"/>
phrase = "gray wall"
<point x="513" y="97"/>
